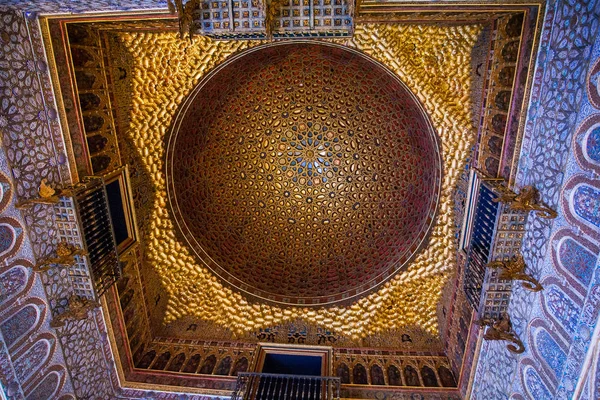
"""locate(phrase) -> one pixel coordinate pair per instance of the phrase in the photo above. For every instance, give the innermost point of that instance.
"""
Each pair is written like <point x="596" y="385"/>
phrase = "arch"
<point x="14" y="281"/>
<point x="134" y="341"/>
<point x="446" y="377"/>
<point x="100" y="163"/>
<point x="241" y="365"/>
<point x="575" y="258"/>
<point x="394" y="377"/>
<point x="535" y="386"/>
<point x="224" y="366"/>
<point x="129" y="315"/>
<point x="7" y="238"/>
<point x="359" y="375"/>
<point x="377" y="375"/>
<point x="5" y="191"/>
<point x="96" y="143"/>
<point x="11" y="237"/>
<point x="343" y="372"/>
<point x="138" y="354"/>
<point x="122" y="284"/>
<point x="192" y="365"/>
<point x="33" y="359"/>
<point x="593" y="89"/>
<point x="161" y="361"/>
<point x="428" y="376"/>
<point x="591" y="145"/>
<point x="586" y="203"/>
<point x="82" y="57"/>
<point x="147" y="359"/>
<point x="550" y="352"/>
<point x="580" y="202"/>
<point x="132" y="326"/>
<point x="177" y="363"/>
<point x="586" y="145"/>
<point x="208" y="365"/>
<point x="93" y="123"/>
<point x="126" y="299"/>
<point x="21" y="325"/>
<point x="411" y="376"/>
<point x="561" y="307"/>
<point x="47" y="388"/>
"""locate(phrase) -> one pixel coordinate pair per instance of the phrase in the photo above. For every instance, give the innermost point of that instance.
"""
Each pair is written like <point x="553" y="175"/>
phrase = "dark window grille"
<point x="99" y="240"/>
<point x="480" y="245"/>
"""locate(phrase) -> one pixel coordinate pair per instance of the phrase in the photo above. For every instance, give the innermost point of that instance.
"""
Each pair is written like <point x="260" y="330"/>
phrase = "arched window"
<point x="377" y="375"/>
<point x="241" y="365"/>
<point x="394" y="378"/>
<point x="343" y="372"/>
<point x="177" y="362"/>
<point x="162" y="361"/>
<point x="359" y="375"/>
<point x="428" y="376"/>
<point x="192" y="364"/>
<point x="447" y="377"/>
<point x="138" y="354"/>
<point x="126" y="299"/>
<point x="147" y="359"/>
<point x="208" y="365"/>
<point x="411" y="376"/>
<point x="224" y="366"/>
<point x="122" y="284"/>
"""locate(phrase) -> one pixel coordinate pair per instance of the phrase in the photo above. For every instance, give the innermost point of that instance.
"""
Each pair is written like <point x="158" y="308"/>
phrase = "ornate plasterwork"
<point x="432" y="61"/>
<point x="310" y="180"/>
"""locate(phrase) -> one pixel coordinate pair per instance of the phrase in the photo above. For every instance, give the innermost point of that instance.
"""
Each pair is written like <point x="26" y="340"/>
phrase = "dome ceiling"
<point x="303" y="173"/>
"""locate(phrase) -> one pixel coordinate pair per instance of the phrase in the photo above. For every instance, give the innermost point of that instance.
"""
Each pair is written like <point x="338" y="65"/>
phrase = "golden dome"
<point x="303" y="173"/>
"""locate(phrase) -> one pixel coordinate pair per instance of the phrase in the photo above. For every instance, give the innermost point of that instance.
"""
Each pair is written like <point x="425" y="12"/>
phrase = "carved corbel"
<point x="186" y="15"/>
<point x="47" y="195"/>
<point x="271" y="8"/>
<point x="514" y="270"/>
<point x="64" y="255"/>
<point x="501" y="329"/>
<point x="78" y="309"/>
<point x="525" y="200"/>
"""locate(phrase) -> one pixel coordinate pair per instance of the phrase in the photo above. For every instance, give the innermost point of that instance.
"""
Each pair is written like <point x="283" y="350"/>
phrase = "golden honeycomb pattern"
<point x="303" y="173"/>
<point x="434" y="62"/>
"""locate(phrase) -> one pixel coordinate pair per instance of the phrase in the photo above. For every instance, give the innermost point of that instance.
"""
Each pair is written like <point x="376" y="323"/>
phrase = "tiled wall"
<point x="561" y="157"/>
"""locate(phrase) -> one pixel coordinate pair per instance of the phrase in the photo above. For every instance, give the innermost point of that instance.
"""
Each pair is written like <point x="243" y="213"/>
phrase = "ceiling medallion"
<point x="303" y="173"/>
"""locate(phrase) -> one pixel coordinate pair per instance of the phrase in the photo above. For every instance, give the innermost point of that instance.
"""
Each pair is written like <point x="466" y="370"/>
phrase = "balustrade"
<point x="259" y="386"/>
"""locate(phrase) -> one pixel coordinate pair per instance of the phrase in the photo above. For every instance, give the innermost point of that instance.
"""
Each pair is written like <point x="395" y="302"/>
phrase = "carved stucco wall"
<point x="31" y="360"/>
<point x="560" y="157"/>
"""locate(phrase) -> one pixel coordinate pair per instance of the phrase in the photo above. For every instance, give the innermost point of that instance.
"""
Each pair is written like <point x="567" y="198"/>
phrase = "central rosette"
<point x="303" y="173"/>
<point x="309" y="152"/>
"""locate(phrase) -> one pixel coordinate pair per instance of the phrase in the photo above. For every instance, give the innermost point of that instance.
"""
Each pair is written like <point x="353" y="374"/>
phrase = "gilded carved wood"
<point x="514" y="269"/>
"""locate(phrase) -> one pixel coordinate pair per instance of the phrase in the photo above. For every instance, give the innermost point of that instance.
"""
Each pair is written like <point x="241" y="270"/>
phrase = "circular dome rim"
<point x="251" y="292"/>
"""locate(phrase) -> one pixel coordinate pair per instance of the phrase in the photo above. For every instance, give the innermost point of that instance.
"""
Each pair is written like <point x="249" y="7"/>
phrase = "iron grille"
<point x="480" y="245"/>
<point x="259" y="386"/>
<point x="99" y="241"/>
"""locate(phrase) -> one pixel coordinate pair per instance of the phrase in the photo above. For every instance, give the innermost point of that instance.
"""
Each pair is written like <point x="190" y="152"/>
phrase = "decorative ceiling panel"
<point x="434" y="62"/>
<point x="303" y="173"/>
